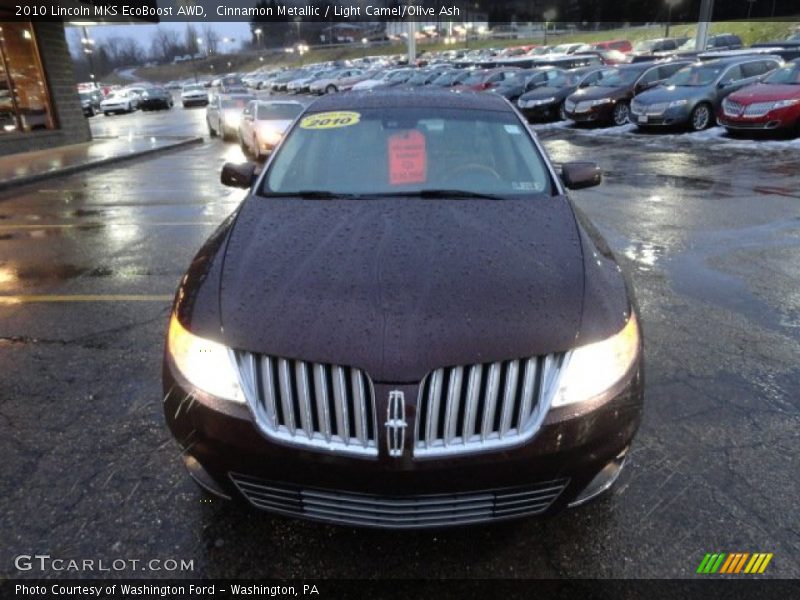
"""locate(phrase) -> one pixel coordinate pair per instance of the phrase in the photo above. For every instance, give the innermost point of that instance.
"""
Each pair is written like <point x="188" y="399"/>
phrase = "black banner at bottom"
<point x="674" y="589"/>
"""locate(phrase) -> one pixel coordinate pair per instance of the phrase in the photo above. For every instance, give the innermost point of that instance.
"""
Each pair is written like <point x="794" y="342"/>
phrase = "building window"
<point x="24" y="99"/>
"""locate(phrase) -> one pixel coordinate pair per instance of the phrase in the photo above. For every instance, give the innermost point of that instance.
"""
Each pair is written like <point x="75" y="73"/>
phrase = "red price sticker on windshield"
<point x="408" y="158"/>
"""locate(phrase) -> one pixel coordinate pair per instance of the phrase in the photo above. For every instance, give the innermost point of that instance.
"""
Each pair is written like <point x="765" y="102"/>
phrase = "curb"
<point x="102" y="162"/>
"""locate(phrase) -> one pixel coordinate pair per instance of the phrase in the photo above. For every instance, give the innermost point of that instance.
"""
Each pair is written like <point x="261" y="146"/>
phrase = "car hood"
<point x="598" y="92"/>
<point x="400" y="287"/>
<point x="762" y="92"/>
<point x="668" y="93"/>
<point x="279" y="125"/>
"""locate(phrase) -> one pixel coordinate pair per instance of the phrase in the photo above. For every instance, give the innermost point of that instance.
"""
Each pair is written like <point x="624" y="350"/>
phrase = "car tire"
<point x="621" y="114"/>
<point x="701" y="117"/>
<point x="211" y="131"/>
<point x="331" y="89"/>
<point x="106" y="114"/>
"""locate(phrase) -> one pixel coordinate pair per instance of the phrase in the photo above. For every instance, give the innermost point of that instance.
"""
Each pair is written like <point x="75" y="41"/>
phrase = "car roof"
<point x="394" y="98"/>
<point x="735" y="60"/>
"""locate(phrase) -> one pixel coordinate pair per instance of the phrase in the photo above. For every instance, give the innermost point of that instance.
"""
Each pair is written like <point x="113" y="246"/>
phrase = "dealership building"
<point x="39" y="103"/>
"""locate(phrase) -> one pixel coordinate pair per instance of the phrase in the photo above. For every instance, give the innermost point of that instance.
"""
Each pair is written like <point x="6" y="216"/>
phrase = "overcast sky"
<point x="239" y="31"/>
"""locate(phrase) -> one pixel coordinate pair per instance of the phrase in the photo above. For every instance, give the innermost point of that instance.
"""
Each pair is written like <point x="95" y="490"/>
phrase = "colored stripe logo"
<point x="734" y="563"/>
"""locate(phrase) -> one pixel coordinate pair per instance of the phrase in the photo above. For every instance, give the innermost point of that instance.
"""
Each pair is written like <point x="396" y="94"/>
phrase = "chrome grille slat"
<point x="490" y="400"/>
<point x="326" y="407"/>
<point x="321" y="394"/>
<point x="400" y="511"/>
<point x="509" y="394"/>
<point x="504" y="404"/>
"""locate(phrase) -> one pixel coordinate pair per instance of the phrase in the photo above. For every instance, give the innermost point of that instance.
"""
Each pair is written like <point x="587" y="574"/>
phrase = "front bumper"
<point x="601" y="113"/>
<point x="669" y="118"/>
<point x="540" y="112"/>
<point x="233" y="459"/>
<point x="194" y="101"/>
<point x="775" y="120"/>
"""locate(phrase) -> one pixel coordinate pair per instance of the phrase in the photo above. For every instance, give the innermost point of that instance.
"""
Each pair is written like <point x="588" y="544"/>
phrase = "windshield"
<point x="446" y="78"/>
<point x="695" y="76"/>
<point x="278" y="112"/>
<point x="785" y="76"/>
<point x="153" y="91"/>
<point x="194" y="88"/>
<point x="407" y="151"/>
<point x="475" y="77"/>
<point x="235" y="102"/>
<point x="617" y="78"/>
<point x="565" y="80"/>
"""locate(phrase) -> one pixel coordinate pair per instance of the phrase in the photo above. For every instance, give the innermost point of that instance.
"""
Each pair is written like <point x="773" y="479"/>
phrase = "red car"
<point x="623" y="46"/>
<point x="773" y="104"/>
<point x="484" y="79"/>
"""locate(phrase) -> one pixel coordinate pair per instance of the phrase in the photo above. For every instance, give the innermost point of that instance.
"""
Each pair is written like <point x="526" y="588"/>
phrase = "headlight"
<point x="594" y="368"/>
<point x="600" y="101"/>
<point x="786" y="103"/>
<point x="207" y="365"/>
<point x="272" y="137"/>
<point x="232" y="119"/>
<point x="677" y="103"/>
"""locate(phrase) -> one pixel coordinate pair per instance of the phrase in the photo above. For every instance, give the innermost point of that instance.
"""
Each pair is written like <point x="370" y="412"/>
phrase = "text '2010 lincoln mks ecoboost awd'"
<point x="406" y="323"/>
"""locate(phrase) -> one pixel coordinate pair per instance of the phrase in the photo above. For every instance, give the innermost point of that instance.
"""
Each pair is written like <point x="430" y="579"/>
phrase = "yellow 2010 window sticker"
<point x="330" y="120"/>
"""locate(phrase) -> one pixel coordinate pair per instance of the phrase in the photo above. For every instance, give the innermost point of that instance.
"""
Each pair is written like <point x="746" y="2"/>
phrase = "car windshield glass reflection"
<point x="235" y="102"/>
<point x="278" y="112"/>
<point x="616" y="78"/>
<point x="785" y="76"/>
<point x="408" y="152"/>
<point x="695" y="76"/>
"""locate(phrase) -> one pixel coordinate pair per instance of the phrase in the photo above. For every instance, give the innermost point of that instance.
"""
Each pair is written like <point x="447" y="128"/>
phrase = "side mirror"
<point x="580" y="175"/>
<point x="240" y="175"/>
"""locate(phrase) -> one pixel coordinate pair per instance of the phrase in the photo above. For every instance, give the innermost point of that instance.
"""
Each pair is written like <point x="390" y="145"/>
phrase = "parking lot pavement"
<point x="89" y="263"/>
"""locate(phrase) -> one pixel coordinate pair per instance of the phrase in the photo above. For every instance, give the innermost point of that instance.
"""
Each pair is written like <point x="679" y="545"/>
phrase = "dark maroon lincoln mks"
<point x="406" y="323"/>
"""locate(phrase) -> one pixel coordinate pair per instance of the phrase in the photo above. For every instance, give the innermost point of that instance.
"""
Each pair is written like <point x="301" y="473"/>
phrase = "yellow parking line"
<point x="22" y="298"/>
<point x="98" y="224"/>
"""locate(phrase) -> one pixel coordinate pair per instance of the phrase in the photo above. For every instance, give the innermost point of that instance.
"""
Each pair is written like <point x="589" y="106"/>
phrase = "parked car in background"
<point x="607" y="100"/>
<point x="721" y="41"/>
<point x="623" y="46"/>
<point x="644" y="50"/>
<point x="231" y="83"/>
<point x="90" y="102"/>
<point x="263" y="124"/>
<point x="194" y="94"/>
<point x="119" y="101"/>
<point x="224" y="113"/>
<point x="771" y="105"/>
<point x="693" y="95"/>
<point x="156" y="98"/>
<point x="332" y="82"/>
<point x="450" y="77"/>
<point x="483" y="79"/>
<point x="423" y="77"/>
<point x="547" y="101"/>
<point x="524" y="81"/>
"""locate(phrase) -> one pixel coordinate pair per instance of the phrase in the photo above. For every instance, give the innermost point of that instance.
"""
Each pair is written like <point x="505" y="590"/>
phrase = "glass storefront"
<point x="25" y="103"/>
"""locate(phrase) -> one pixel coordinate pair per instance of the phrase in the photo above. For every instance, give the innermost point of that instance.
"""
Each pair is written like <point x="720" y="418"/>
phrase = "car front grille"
<point x="327" y="407"/>
<point x="485" y="406"/>
<point x="732" y="108"/>
<point x="758" y="109"/>
<point x="569" y="105"/>
<point x="351" y="508"/>
<point x="655" y="110"/>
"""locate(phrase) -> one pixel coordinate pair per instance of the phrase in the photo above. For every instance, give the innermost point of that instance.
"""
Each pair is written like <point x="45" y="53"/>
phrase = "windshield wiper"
<point x="442" y="194"/>
<point x="313" y="195"/>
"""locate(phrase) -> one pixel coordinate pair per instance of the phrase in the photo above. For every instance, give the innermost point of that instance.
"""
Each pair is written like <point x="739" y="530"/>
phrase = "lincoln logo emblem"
<point x="396" y="423"/>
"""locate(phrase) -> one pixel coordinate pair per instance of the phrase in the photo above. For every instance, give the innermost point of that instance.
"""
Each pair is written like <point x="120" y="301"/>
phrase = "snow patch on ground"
<point x="714" y="138"/>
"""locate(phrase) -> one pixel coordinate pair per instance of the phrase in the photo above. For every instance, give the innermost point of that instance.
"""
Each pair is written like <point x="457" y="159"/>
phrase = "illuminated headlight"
<point x="206" y="365"/>
<point x="232" y="119"/>
<point x="271" y="137"/>
<point x="531" y="103"/>
<point x="786" y="103"/>
<point x="677" y="103"/>
<point x="600" y="102"/>
<point x="594" y="368"/>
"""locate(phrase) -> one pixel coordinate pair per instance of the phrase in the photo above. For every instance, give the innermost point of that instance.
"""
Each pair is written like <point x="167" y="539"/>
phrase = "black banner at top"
<point x="438" y="11"/>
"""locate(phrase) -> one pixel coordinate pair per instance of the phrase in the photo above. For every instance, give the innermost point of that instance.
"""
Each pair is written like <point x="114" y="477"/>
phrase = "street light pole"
<point x="706" y="13"/>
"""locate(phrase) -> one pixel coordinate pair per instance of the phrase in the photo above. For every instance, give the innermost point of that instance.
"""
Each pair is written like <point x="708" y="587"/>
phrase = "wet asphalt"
<point x="89" y="470"/>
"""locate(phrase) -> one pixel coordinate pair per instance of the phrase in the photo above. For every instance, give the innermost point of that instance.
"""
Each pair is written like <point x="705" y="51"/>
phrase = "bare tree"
<point x="210" y="39"/>
<point x="191" y="39"/>
<point x="165" y="44"/>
